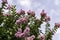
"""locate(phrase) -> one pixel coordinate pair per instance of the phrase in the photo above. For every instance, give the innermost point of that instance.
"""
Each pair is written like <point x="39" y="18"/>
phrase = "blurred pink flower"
<point x="19" y="35"/>
<point x="25" y="19"/>
<point x="31" y="37"/>
<point x="30" y="12"/>
<point x="20" y="12"/>
<point x="43" y="14"/>
<point x="26" y="31"/>
<point x="5" y="1"/>
<point x="42" y="37"/>
<point x="57" y="24"/>
<point x="19" y="21"/>
<point x="47" y="18"/>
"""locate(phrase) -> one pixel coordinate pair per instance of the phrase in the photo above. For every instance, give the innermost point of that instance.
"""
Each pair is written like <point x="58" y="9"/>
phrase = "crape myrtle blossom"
<point x="20" y="34"/>
<point x="4" y="1"/>
<point x="30" y="12"/>
<point x="43" y="14"/>
<point x="57" y="24"/>
<point x="42" y="36"/>
<point x="30" y="38"/>
<point x="26" y="32"/>
<point x="19" y="12"/>
<point x="47" y="18"/>
<point x="22" y="20"/>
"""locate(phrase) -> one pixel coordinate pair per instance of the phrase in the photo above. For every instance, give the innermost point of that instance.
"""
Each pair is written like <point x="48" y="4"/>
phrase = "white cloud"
<point x="57" y="2"/>
<point x="26" y="3"/>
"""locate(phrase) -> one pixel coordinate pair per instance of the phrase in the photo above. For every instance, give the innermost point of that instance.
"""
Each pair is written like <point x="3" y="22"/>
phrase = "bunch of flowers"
<point x="16" y="25"/>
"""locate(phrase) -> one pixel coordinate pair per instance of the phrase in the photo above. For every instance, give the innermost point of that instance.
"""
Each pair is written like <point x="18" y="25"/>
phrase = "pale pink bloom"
<point x="25" y="19"/>
<point x="42" y="36"/>
<point x="43" y="14"/>
<point x="30" y="12"/>
<point x="5" y="1"/>
<point x="47" y="18"/>
<point x="19" y="35"/>
<point x="31" y="37"/>
<point x="20" y="12"/>
<point x="57" y="24"/>
<point x="26" y="31"/>
<point x="19" y="21"/>
<point x="28" y="38"/>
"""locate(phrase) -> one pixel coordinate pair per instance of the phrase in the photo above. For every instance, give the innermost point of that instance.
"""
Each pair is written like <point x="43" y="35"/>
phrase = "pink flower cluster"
<point x="25" y="33"/>
<point x="42" y="37"/>
<point x="4" y="1"/>
<point x="57" y="24"/>
<point x="19" y="21"/>
<point x="46" y="18"/>
<point x="30" y="12"/>
<point x="30" y="38"/>
<point x="43" y="14"/>
<point x="20" y="12"/>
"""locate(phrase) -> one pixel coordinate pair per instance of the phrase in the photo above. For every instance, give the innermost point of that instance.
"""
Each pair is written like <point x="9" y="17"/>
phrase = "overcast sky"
<point x="52" y="7"/>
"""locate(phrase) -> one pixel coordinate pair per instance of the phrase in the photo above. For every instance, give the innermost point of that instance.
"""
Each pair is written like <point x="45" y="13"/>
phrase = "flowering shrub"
<point x="19" y="26"/>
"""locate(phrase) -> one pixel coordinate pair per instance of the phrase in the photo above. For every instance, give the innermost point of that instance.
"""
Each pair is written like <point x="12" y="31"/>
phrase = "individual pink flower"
<point x="42" y="37"/>
<point x="4" y="14"/>
<point x="30" y="12"/>
<point x="4" y="1"/>
<point x="19" y="21"/>
<point x="25" y="19"/>
<point x="26" y="31"/>
<point x="43" y="14"/>
<point x="19" y="35"/>
<point x="20" y="12"/>
<point x="47" y="18"/>
<point x="28" y="38"/>
<point x="31" y="37"/>
<point x="57" y="24"/>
